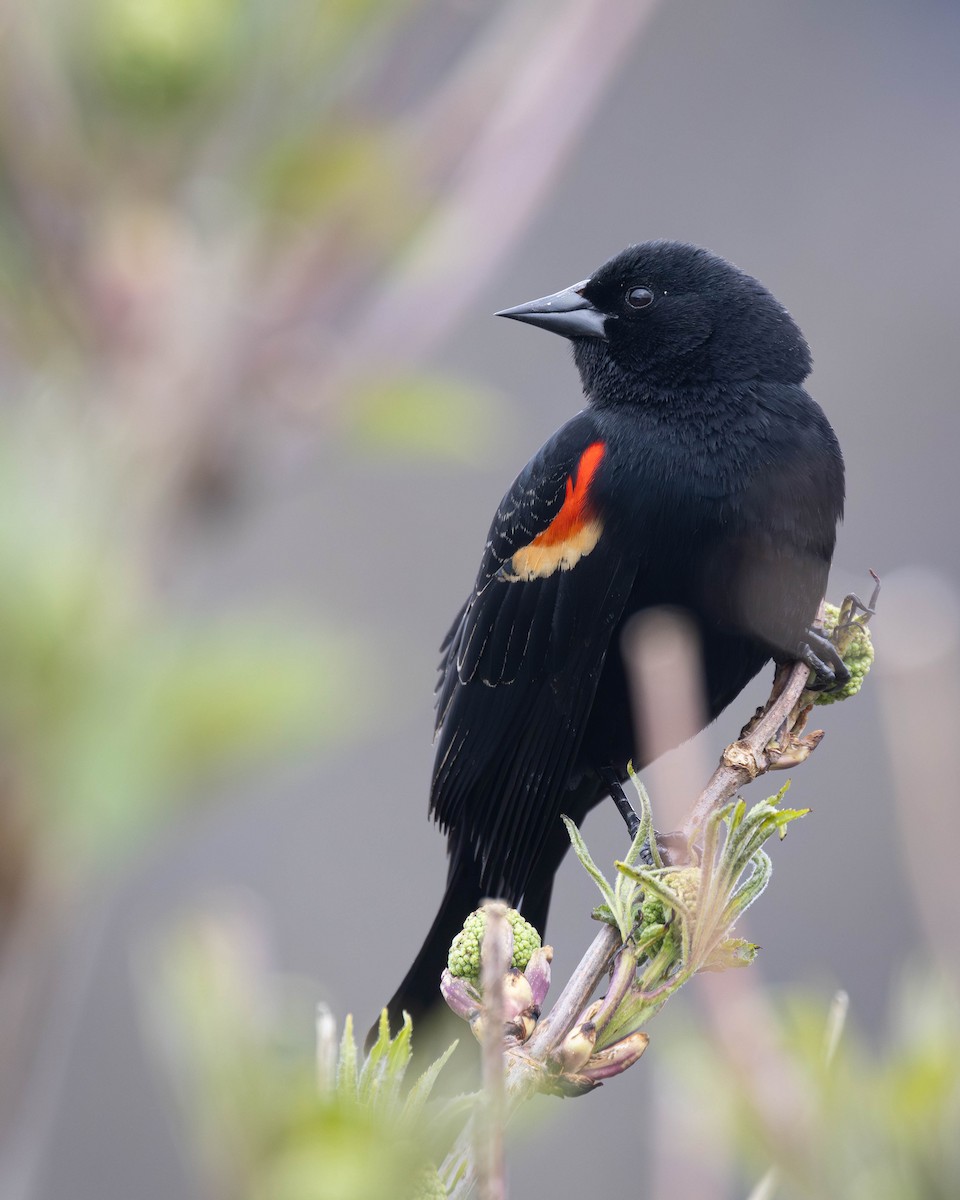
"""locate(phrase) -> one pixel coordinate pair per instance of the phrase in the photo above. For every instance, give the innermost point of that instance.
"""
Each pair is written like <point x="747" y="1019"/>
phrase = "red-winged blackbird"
<point x="700" y="475"/>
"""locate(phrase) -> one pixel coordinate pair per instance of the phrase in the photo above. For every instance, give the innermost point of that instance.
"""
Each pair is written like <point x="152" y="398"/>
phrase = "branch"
<point x="760" y="748"/>
<point x="773" y="735"/>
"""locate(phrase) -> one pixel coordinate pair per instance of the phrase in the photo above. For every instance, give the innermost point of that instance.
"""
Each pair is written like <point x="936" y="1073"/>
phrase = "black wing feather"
<point x="519" y="672"/>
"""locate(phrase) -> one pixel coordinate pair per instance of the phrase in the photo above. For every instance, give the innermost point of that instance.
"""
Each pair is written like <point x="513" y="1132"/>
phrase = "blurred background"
<point x="255" y="420"/>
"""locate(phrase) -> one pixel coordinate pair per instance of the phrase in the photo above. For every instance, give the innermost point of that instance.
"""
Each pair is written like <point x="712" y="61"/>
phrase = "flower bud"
<point x="461" y="997"/>
<point x="589" y="1012"/>
<point x="524" y="1024"/>
<point x="576" y="1047"/>
<point x="538" y="973"/>
<point x="517" y="994"/>
<point x="686" y="883"/>
<point x="612" y="1060"/>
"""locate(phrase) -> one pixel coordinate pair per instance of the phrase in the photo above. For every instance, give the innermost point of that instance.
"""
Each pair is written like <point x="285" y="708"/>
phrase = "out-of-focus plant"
<point x="274" y="1120"/>
<point x="873" y="1119"/>
<point x="271" y="1129"/>
<point x="672" y="922"/>
<point x="218" y="218"/>
<point x="110" y="706"/>
<point x="113" y="707"/>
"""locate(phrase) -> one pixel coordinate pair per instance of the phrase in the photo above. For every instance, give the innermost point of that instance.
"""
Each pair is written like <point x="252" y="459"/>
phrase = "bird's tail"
<point x="419" y="994"/>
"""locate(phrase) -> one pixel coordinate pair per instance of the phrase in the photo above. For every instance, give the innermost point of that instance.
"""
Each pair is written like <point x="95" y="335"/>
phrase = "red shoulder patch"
<point x="577" y="509"/>
<point x="572" y="533"/>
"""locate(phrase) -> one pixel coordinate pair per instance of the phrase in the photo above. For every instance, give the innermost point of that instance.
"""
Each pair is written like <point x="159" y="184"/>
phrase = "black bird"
<point x="699" y="475"/>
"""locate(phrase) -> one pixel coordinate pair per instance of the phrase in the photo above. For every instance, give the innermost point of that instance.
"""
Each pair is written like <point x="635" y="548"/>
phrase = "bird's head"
<point x="668" y="315"/>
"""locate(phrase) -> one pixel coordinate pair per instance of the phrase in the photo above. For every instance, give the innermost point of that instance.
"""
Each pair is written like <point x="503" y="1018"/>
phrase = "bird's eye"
<point x="639" y="297"/>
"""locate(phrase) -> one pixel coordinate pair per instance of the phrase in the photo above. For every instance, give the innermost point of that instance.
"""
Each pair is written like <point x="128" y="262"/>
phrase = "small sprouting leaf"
<point x="420" y="1092"/>
<point x="732" y="952"/>
<point x="581" y="851"/>
<point x="736" y="813"/>
<point x="603" y="913"/>
<point x="398" y="1059"/>
<point x="372" y="1070"/>
<point x="347" y="1067"/>
<point x="751" y="889"/>
<point x="650" y="935"/>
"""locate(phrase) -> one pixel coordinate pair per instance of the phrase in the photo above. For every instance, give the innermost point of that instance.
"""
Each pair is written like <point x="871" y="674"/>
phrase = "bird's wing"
<point x="521" y="662"/>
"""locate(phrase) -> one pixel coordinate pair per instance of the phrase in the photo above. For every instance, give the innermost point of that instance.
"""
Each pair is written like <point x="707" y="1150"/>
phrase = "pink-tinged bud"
<point x="572" y="1085"/>
<point x="576" y="1047"/>
<point x="538" y="974"/>
<point x="523" y="1025"/>
<point x="517" y="994"/>
<point x="461" y="996"/>
<point x="613" y="1060"/>
<point x="589" y="1012"/>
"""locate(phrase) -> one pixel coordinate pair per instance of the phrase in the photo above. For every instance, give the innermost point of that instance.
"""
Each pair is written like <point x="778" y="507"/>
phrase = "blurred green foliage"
<point x="156" y="56"/>
<point x="334" y="172"/>
<point x="424" y="416"/>
<point x="112" y="706"/>
<point x="879" y="1121"/>
<point x="195" y="196"/>
<point x="274" y="1117"/>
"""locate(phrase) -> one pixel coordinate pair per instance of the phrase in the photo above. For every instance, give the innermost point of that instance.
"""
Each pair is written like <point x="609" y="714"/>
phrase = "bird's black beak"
<point x="568" y="313"/>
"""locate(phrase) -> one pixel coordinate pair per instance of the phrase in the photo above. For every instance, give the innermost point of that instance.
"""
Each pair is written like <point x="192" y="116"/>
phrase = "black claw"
<point x="824" y="675"/>
<point x="858" y="608"/>
<point x="823" y="658"/>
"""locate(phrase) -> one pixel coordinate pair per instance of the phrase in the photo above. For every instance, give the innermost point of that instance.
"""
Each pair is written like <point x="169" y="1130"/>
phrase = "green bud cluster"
<point x="464" y="958"/>
<point x="856" y="649"/>
<point x="686" y="884"/>
<point x="651" y="910"/>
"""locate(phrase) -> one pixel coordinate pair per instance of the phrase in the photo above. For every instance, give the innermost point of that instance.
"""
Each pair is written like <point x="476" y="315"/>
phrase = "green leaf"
<point x="398" y="1059"/>
<point x="751" y="889"/>
<point x="420" y="1092"/>
<point x="736" y="813"/>
<point x="347" y="1066"/>
<point x="586" y="861"/>
<point x="373" y="1068"/>
<point x="624" y="887"/>
<point x="650" y="936"/>
<point x="732" y="952"/>
<point x="604" y="913"/>
<point x="646" y="821"/>
<point x="764" y="822"/>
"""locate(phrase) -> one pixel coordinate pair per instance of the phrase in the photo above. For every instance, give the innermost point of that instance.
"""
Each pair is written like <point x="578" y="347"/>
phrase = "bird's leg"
<point x="619" y="797"/>
<point x="627" y="811"/>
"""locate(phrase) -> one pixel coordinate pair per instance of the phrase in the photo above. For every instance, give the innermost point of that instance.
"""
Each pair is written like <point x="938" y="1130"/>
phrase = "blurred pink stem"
<point x="501" y="182"/>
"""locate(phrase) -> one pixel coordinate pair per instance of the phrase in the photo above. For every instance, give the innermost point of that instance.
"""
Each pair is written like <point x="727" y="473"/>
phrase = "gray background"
<point x="814" y="144"/>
